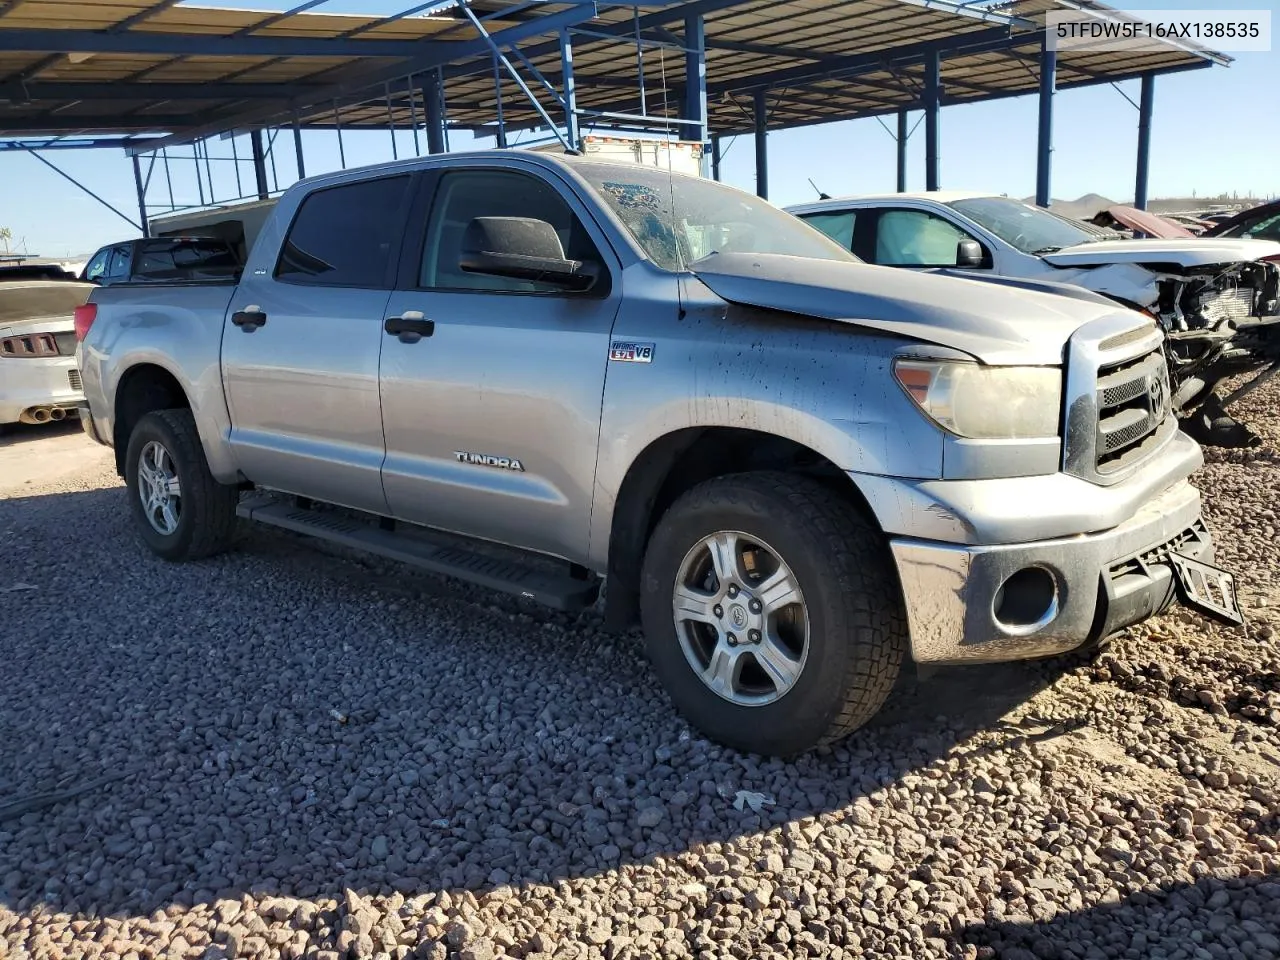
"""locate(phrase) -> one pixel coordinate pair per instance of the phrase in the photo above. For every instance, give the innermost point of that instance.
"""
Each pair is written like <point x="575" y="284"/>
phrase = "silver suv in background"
<point x="1218" y="299"/>
<point x="795" y="470"/>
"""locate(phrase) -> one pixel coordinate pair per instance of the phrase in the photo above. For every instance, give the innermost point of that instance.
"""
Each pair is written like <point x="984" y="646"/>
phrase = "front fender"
<point x="819" y="384"/>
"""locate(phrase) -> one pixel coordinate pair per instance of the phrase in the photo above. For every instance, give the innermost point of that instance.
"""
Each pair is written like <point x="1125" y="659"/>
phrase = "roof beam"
<point x="77" y="143"/>
<point x="45" y="124"/>
<point x="175" y="44"/>
<point x="995" y="38"/>
<point x="53" y="90"/>
<point x="142" y="15"/>
<point x="430" y="57"/>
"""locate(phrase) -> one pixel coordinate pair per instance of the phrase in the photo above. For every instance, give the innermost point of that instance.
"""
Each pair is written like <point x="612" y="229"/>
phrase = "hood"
<point x="1149" y="223"/>
<point x="1197" y="252"/>
<point x="996" y="323"/>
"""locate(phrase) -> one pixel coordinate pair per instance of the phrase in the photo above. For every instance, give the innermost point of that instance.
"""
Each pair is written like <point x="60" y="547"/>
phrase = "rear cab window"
<point x="346" y="235"/>
<point x="183" y="259"/>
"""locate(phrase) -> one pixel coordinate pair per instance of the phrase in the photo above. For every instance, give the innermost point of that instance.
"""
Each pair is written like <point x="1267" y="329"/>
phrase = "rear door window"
<point x="346" y="236"/>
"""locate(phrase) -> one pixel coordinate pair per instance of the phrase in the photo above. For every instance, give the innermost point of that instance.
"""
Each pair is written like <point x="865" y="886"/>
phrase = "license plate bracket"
<point x="1207" y="588"/>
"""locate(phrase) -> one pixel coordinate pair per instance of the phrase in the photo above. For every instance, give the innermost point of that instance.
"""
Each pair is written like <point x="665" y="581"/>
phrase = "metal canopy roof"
<point x="117" y="67"/>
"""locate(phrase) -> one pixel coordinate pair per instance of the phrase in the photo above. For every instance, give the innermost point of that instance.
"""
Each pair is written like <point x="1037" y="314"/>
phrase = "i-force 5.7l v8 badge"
<point x="628" y="351"/>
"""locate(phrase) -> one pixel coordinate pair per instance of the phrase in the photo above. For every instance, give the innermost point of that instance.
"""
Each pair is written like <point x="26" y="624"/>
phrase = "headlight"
<point x="985" y="403"/>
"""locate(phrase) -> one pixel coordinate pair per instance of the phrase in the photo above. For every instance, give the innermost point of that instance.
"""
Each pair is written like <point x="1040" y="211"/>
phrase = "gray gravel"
<point x="285" y="752"/>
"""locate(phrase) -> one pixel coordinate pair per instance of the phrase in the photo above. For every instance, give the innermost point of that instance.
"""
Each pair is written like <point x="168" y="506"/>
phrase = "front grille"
<point x="1133" y="401"/>
<point x="73" y="377"/>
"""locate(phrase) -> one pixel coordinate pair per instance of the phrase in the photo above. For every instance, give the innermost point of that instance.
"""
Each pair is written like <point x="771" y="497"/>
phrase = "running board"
<point x="560" y="591"/>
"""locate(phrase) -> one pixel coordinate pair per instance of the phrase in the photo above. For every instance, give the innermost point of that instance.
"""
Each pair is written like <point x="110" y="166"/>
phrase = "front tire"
<point x="770" y="612"/>
<point x="182" y="512"/>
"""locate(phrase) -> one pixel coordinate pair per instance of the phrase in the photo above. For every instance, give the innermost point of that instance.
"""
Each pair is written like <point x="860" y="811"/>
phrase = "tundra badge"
<point x="484" y="460"/>
<point x="627" y="351"/>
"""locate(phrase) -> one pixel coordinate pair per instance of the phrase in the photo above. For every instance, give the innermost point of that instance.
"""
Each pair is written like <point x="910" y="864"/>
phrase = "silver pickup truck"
<point x="537" y="374"/>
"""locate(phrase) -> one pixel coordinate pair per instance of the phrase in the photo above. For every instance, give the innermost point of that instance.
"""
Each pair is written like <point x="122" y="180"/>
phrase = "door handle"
<point x="411" y="327"/>
<point x="249" y="319"/>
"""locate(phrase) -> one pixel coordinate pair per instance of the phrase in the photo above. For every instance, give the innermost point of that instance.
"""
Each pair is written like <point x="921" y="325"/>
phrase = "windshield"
<point x="1266" y="229"/>
<point x="1029" y="229"/>
<point x="708" y="217"/>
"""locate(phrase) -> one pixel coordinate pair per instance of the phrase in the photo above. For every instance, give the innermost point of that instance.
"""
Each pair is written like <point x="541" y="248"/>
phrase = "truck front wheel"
<point x="770" y="612"/>
<point x="183" y="513"/>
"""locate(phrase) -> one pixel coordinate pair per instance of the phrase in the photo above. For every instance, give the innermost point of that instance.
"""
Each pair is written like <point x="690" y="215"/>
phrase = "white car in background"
<point x="39" y="381"/>
<point x="1218" y="299"/>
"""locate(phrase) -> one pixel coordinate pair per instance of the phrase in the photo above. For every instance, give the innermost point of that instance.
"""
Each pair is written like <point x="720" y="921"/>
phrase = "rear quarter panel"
<point x="175" y="327"/>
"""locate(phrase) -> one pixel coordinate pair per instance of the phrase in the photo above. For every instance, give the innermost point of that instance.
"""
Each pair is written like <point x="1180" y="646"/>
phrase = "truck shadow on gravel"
<point x="1239" y="917"/>
<point x="282" y="721"/>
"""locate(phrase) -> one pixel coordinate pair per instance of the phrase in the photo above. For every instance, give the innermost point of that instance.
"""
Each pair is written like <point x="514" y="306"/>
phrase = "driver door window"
<point x="497" y="193"/>
<point x="914" y="238"/>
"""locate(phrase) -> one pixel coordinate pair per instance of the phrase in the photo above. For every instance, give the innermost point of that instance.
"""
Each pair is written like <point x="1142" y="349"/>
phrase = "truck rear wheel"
<point x="770" y="612"/>
<point x="183" y="513"/>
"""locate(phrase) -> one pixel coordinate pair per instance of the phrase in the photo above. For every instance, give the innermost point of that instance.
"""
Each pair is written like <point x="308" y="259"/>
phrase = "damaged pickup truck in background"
<point x="1217" y="299"/>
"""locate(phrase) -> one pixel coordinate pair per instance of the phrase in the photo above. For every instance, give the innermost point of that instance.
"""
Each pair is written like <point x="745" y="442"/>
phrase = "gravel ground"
<point x="285" y="752"/>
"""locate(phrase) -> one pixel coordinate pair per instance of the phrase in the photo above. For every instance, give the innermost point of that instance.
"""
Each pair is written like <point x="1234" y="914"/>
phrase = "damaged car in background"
<point x="39" y="381"/>
<point x="1217" y="299"/>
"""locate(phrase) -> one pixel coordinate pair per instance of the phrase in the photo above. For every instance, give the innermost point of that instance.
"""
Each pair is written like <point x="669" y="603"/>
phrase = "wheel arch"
<point x="142" y="388"/>
<point x="680" y="460"/>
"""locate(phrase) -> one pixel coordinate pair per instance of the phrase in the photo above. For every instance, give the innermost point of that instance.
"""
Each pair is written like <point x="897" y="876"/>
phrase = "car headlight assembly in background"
<point x="985" y="403"/>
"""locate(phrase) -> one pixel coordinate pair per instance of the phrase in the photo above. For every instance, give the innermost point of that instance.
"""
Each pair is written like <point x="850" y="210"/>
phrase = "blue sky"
<point x="1214" y="131"/>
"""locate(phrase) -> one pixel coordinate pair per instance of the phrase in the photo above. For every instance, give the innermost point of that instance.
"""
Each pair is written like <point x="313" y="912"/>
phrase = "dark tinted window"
<point x="464" y="196"/>
<point x="98" y="265"/>
<point x="1265" y="227"/>
<point x="345" y="236"/>
<point x="175" y="259"/>
<point x="121" y="259"/>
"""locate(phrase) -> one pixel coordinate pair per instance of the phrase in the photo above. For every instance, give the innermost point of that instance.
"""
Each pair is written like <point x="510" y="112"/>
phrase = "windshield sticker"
<point x="633" y="196"/>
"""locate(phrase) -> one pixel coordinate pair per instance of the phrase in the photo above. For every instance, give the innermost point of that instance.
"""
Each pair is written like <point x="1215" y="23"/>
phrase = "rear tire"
<point x="833" y="637"/>
<point x="182" y="512"/>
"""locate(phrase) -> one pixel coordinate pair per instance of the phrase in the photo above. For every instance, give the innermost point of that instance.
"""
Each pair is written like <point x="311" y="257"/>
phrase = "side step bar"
<point x="559" y="591"/>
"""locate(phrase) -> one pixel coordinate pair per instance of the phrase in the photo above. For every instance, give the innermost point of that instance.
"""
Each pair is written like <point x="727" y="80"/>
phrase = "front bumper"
<point x="1102" y="582"/>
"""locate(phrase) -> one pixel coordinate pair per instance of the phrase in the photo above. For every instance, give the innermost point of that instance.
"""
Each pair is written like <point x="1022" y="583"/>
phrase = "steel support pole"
<point x="501" y="139"/>
<point x="433" y="109"/>
<point x="1044" y="146"/>
<point x="932" y="111"/>
<point x="1145" y="108"/>
<point x="259" y="164"/>
<point x="903" y="135"/>
<point x="695" y="79"/>
<point x="142" y="196"/>
<point x="715" y="158"/>
<point x="297" y="149"/>
<point x="570" y="91"/>
<point x="762" y="143"/>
